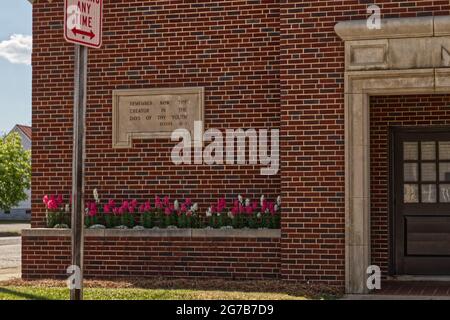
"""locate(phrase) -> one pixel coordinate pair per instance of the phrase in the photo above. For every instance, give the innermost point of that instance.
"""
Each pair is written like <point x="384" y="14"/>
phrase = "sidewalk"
<point x="10" y="258"/>
<point x="12" y="229"/>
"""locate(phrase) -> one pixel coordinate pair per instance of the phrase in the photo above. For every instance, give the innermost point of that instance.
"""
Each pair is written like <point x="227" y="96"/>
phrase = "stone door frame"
<point x="381" y="62"/>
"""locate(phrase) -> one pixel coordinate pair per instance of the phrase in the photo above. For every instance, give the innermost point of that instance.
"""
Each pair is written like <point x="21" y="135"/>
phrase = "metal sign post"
<point x="79" y="115"/>
<point x="83" y="26"/>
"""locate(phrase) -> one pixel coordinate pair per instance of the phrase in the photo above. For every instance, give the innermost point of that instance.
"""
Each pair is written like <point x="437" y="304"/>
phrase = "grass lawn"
<point x="36" y="293"/>
<point x="165" y="289"/>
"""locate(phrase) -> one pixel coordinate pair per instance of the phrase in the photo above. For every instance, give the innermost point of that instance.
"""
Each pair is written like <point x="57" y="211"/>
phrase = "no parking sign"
<point x="83" y="22"/>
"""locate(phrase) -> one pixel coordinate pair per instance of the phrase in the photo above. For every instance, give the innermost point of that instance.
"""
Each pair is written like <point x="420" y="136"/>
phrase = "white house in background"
<point x="23" y="210"/>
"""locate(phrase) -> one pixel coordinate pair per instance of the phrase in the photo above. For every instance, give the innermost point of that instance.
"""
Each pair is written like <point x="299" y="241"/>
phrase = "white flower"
<point x="258" y="215"/>
<point x="230" y="215"/>
<point x="176" y="205"/>
<point x="67" y="208"/>
<point x="194" y="207"/>
<point x="240" y="199"/>
<point x="209" y="213"/>
<point x="276" y="207"/>
<point x="262" y="199"/>
<point x="247" y="202"/>
<point x="97" y="199"/>
<point x="279" y="201"/>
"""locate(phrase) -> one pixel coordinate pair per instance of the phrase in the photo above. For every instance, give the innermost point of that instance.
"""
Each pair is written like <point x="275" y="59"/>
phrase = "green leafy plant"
<point x="241" y="214"/>
<point x="15" y="171"/>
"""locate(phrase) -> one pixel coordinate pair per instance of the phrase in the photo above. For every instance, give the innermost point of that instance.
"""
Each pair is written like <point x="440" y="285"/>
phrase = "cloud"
<point x="17" y="49"/>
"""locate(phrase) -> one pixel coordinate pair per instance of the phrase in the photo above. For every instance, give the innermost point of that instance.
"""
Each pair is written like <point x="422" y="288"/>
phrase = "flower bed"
<point x="163" y="213"/>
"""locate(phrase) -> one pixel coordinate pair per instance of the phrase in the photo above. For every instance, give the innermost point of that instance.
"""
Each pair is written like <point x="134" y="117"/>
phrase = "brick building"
<point x="358" y="187"/>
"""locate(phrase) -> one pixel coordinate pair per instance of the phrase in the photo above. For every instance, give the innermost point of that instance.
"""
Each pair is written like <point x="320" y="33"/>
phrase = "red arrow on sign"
<point x="89" y="34"/>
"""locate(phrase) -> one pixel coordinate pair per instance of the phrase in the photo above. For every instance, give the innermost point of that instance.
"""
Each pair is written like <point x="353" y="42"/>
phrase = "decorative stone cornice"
<point x="394" y="28"/>
<point x="400" y="44"/>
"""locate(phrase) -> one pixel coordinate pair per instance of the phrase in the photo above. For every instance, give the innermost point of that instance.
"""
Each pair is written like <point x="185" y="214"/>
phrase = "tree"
<point x="15" y="171"/>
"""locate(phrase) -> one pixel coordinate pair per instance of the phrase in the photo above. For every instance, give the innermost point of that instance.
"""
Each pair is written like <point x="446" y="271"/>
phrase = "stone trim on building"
<point x="187" y="233"/>
<point x="387" y="65"/>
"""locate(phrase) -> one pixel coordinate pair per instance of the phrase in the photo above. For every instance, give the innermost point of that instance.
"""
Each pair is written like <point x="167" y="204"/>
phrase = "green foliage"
<point x="55" y="218"/>
<point x="148" y="220"/>
<point x="91" y="221"/>
<point x="127" y="219"/>
<point x="15" y="171"/>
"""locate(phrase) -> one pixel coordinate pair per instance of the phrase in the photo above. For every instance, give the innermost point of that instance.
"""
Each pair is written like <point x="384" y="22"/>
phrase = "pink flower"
<point x="183" y="208"/>
<point x="147" y="206"/>
<point x="92" y="209"/>
<point x="111" y="203"/>
<point x="45" y="199"/>
<point x="221" y="205"/>
<point x="189" y="214"/>
<point x="158" y="203"/>
<point x="249" y="210"/>
<point x="255" y="205"/>
<point x="168" y="212"/>
<point x="264" y="206"/>
<point x="188" y="202"/>
<point x="213" y="209"/>
<point x="271" y="206"/>
<point x="166" y="201"/>
<point x="142" y="208"/>
<point x="59" y="200"/>
<point x="235" y="211"/>
<point x="51" y="205"/>
<point x="107" y="209"/>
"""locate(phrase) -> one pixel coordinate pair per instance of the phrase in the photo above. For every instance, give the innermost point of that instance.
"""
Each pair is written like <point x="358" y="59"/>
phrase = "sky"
<point x="15" y="66"/>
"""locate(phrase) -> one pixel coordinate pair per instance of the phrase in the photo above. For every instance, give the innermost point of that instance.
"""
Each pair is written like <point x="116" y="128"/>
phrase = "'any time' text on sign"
<point x="83" y="22"/>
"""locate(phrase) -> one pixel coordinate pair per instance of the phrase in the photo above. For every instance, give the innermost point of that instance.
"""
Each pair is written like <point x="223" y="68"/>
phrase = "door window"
<point x="426" y="172"/>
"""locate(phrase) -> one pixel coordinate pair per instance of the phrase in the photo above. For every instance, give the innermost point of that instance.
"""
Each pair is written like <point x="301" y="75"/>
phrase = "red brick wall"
<point x="230" y="48"/>
<point x="264" y="64"/>
<point x="385" y="112"/>
<point x="312" y="130"/>
<point x="231" y="258"/>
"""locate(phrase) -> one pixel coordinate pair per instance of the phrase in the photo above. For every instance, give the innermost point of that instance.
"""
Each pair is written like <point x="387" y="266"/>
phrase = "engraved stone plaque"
<point x="154" y="113"/>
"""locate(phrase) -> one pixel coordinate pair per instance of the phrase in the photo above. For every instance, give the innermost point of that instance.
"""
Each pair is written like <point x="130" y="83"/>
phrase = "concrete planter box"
<point x="159" y="233"/>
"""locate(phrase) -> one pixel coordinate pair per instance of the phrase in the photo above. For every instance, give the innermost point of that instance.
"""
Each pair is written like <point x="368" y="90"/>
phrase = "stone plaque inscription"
<point x="154" y="113"/>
